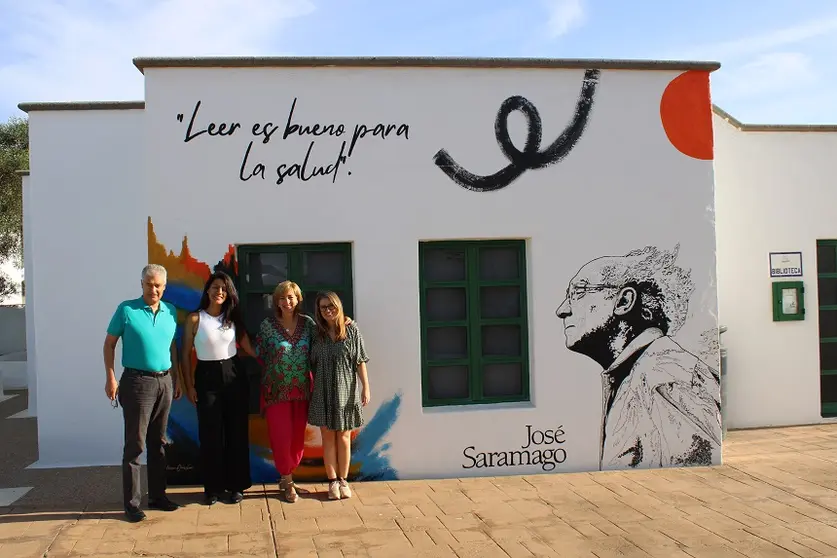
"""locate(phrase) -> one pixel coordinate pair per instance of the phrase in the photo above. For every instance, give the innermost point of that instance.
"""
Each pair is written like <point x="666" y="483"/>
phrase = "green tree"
<point x="14" y="156"/>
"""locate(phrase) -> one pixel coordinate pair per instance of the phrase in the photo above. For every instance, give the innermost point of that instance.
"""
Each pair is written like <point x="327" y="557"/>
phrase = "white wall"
<point x="13" y="348"/>
<point x="12" y="329"/>
<point x="774" y="192"/>
<point x="623" y="187"/>
<point x="87" y="211"/>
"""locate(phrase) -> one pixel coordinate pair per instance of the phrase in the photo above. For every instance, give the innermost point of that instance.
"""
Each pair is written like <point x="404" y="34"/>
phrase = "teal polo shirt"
<point x="146" y="337"/>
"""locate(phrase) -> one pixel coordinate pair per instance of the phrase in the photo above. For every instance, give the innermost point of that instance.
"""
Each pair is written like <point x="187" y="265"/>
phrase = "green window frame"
<point x="297" y="260"/>
<point x="486" y="316"/>
<point x="827" y="325"/>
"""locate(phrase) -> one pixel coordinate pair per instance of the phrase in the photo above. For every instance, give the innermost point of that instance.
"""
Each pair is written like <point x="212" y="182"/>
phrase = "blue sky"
<point x="777" y="56"/>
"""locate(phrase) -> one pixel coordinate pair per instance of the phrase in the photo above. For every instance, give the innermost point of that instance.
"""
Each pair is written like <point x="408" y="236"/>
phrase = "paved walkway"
<point x="775" y="496"/>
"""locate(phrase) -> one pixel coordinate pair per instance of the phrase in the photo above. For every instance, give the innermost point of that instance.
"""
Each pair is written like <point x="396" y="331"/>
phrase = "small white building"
<point x="777" y="240"/>
<point x="528" y="247"/>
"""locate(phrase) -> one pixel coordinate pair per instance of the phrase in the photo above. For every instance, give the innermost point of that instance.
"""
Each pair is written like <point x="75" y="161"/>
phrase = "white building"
<point x="503" y="231"/>
<point x="775" y="194"/>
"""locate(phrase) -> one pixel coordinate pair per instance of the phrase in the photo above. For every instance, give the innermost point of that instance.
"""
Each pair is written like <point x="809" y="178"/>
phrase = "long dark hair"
<point x="230" y="309"/>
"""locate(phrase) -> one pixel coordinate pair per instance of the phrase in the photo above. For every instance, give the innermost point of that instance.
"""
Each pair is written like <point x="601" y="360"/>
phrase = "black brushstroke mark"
<point x="530" y="157"/>
<point x="636" y="451"/>
<point x="700" y="453"/>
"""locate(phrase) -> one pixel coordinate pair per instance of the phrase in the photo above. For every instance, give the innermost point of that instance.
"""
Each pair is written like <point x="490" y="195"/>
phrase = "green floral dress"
<point x="284" y="356"/>
<point x="335" y="402"/>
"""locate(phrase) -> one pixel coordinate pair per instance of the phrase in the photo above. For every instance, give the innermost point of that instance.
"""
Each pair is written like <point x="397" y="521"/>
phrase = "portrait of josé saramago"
<point x="660" y="403"/>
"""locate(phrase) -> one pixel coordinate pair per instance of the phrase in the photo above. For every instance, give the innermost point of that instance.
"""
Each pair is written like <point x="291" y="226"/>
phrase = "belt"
<point x="147" y="373"/>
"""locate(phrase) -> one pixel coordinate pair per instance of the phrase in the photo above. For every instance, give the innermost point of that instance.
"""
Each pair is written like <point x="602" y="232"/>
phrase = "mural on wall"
<point x="661" y="404"/>
<point x="369" y="461"/>
<point x="686" y="115"/>
<point x="531" y="157"/>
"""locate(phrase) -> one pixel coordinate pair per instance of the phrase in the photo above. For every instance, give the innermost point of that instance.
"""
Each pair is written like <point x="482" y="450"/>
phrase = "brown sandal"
<point x="288" y="489"/>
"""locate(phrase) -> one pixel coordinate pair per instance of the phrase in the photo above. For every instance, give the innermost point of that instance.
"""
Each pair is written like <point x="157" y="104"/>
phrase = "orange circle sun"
<point x="686" y="114"/>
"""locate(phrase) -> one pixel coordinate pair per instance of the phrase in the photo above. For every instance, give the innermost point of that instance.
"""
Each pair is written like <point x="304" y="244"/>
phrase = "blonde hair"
<point x="339" y="320"/>
<point x="281" y="289"/>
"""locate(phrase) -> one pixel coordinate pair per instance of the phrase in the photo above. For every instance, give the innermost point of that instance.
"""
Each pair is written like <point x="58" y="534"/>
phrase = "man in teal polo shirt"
<point x="149" y="381"/>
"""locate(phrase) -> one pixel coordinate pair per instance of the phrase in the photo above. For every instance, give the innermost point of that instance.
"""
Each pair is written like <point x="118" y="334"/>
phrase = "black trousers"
<point x="223" y="391"/>
<point x="146" y="402"/>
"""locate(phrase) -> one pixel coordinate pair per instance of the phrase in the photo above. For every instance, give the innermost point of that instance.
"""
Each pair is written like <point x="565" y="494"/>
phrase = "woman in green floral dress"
<point x="282" y="347"/>
<point x="338" y="359"/>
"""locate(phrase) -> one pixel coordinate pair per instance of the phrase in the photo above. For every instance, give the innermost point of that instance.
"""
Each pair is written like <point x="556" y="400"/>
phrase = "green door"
<point x="827" y="319"/>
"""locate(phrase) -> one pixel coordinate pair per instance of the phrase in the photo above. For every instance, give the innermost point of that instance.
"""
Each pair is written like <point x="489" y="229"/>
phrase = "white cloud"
<point x="82" y="49"/>
<point x="564" y="15"/>
<point x="761" y="42"/>
<point x="772" y="68"/>
<point x="772" y="73"/>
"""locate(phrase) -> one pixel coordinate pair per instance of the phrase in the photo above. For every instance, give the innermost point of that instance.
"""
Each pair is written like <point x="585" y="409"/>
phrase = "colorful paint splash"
<point x="186" y="278"/>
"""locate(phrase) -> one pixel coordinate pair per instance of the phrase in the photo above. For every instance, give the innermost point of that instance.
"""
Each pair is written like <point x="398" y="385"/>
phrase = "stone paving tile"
<point x="775" y="495"/>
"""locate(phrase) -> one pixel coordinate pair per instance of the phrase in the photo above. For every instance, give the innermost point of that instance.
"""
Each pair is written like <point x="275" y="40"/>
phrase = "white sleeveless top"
<point x="214" y="341"/>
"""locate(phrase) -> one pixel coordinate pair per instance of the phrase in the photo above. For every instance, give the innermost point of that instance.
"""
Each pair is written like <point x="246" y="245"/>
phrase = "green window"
<point x="314" y="267"/>
<point x="827" y="319"/>
<point x="474" y="330"/>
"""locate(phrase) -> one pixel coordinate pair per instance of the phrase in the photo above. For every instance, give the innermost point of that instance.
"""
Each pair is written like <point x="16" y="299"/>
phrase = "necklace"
<point x="287" y="329"/>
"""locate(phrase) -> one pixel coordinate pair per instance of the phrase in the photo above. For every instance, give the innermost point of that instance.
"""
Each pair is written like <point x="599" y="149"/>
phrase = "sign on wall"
<point x="786" y="264"/>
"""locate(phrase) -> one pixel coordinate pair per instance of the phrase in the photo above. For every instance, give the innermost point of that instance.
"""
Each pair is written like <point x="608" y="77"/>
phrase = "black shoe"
<point x="135" y="516"/>
<point x="162" y="504"/>
<point x="236" y="497"/>
<point x="210" y="499"/>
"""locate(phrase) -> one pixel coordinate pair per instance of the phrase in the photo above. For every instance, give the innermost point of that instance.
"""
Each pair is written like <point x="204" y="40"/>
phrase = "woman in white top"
<point x="219" y="388"/>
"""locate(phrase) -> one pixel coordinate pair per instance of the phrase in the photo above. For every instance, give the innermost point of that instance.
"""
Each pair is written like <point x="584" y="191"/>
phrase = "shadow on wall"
<point x="370" y="459"/>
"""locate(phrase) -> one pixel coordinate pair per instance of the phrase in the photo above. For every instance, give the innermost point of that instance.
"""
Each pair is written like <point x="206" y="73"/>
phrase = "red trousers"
<point x="286" y="422"/>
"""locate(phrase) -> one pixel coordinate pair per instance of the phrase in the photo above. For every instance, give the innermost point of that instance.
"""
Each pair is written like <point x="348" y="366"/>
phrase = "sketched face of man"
<point x="153" y="286"/>
<point x="588" y="309"/>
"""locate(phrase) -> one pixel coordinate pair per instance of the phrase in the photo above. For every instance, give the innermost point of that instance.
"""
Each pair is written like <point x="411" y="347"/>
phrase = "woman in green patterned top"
<point x="282" y="346"/>
<point x="338" y="358"/>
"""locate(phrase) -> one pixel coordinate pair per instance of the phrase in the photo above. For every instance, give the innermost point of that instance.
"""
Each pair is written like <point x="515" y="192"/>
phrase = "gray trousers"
<point x="145" y="402"/>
